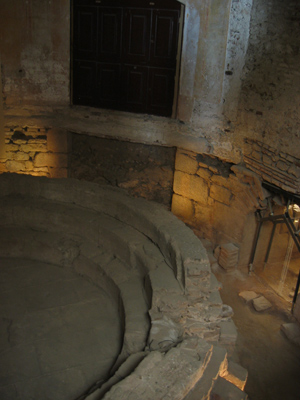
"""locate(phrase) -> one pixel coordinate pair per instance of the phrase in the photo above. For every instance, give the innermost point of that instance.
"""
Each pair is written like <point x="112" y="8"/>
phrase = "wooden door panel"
<point x="134" y="88"/>
<point x="85" y="33"/>
<point x="125" y="54"/>
<point x="137" y="36"/>
<point x="161" y="91"/>
<point x="108" y="85"/>
<point x="84" y="75"/>
<point x="109" y="34"/>
<point x="164" y="38"/>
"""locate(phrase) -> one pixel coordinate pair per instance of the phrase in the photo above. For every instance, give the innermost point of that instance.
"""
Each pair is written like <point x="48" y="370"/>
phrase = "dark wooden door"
<point x="124" y="54"/>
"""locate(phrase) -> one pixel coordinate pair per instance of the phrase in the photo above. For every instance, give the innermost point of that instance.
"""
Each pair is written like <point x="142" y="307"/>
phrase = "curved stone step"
<point x="216" y="365"/>
<point x="169" y="375"/>
<point x="53" y="325"/>
<point x="43" y="215"/>
<point x="108" y="272"/>
<point x="225" y="390"/>
<point x="178" y="244"/>
<point x="147" y="257"/>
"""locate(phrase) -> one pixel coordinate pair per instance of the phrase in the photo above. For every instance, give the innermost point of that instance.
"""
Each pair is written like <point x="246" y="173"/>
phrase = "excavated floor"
<point x="273" y="363"/>
<point x="59" y="333"/>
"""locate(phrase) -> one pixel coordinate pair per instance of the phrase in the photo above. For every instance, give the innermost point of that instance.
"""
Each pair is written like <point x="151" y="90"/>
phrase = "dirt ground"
<point x="273" y="363"/>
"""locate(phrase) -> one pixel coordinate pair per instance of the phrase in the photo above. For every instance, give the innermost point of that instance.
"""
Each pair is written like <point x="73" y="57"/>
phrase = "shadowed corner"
<point x="2" y="133"/>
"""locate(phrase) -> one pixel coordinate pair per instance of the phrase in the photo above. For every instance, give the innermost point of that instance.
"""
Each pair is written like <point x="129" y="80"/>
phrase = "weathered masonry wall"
<point x="273" y="166"/>
<point x="143" y="170"/>
<point x="36" y="67"/>
<point x="36" y="150"/>
<point x="239" y="74"/>
<point x="270" y="97"/>
<point x="215" y="198"/>
<point x="34" y="49"/>
<point x="218" y="201"/>
<point x="238" y="107"/>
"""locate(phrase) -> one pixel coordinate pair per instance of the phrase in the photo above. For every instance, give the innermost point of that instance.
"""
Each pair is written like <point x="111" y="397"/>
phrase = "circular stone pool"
<point x="59" y="332"/>
<point x="97" y="285"/>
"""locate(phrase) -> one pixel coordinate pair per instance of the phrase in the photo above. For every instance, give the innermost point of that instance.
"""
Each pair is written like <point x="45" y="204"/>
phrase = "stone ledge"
<point x="147" y="239"/>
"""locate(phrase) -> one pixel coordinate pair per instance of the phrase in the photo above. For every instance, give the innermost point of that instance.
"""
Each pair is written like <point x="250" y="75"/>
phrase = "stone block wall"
<point x="270" y="94"/>
<point x="216" y="198"/>
<point x="239" y="75"/>
<point x="35" y="150"/>
<point x="272" y="165"/>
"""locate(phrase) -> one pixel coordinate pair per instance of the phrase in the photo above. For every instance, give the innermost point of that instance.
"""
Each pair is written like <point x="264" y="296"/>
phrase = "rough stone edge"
<point x="178" y="254"/>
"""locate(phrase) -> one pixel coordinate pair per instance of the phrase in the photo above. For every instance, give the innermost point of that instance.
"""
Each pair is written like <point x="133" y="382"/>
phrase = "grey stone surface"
<point x="216" y="365"/>
<point x="248" y="295"/>
<point x="125" y="370"/>
<point x="228" y="334"/>
<point x="225" y="390"/>
<point x="166" y="376"/>
<point x="55" y="325"/>
<point x="261" y="304"/>
<point x="292" y="332"/>
<point x="164" y="333"/>
<point x="236" y="374"/>
<point x="150" y="264"/>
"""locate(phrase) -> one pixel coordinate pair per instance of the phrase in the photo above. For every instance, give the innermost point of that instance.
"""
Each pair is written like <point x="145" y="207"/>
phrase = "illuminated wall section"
<point x="36" y="150"/>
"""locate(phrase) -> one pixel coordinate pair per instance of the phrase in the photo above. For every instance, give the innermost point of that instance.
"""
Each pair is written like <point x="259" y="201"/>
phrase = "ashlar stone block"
<point x="197" y="269"/>
<point x="256" y="155"/>
<point x="220" y="194"/>
<point x="182" y="207"/>
<point x="191" y="186"/>
<point x="228" y="222"/>
<point x="261" y="304"/>
<point x="225" y="390"/>
<point x="15" y="166"/>
<point x="204" y="173"/>
<point x="186" y="161"/>
<point x="292" y="332"/>
<point x="11" y="147"/>
<point x="294" y="170"/>
<point x="236" y="374"/>
<point x="28" y="165"/>
<point x="203" y="218"/>
<point x="267" y="160"/>
<point x="20" y="156"/>
<point x="283" y="166"/>
<point x="2" y="167"/>
<point x="228" y="333"/>
<point x="248" y="295"/>
<point x="36" y="147"/>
